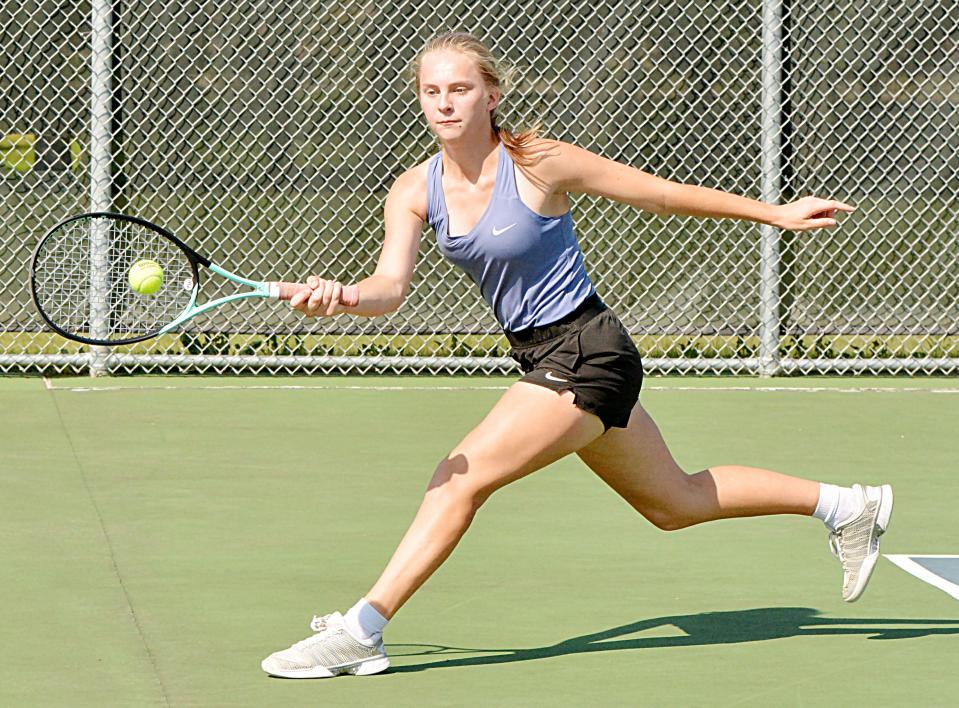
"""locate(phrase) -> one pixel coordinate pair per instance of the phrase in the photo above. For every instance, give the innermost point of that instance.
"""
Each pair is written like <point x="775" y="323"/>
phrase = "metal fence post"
<point x="101" y="80"/>
<point x="771" y="152"/>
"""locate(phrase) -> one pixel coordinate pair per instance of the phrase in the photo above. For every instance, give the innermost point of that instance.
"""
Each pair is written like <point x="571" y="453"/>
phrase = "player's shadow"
<point x="733" y="627"/>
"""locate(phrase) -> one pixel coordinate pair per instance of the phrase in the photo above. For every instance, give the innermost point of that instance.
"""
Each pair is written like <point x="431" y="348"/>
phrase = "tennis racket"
<point x="80" y="280"/>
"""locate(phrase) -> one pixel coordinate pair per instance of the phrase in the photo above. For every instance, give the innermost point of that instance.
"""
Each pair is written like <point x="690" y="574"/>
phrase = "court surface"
<point x="162" y="535"/>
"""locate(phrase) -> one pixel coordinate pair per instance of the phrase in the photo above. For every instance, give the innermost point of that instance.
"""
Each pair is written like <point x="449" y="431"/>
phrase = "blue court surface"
<point x="937" y="570"/>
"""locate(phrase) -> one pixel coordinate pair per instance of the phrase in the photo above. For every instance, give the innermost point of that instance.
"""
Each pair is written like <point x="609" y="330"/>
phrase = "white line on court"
<point x="279" y="387"/>
<point x="907" y="563"/>
<point x="347" y="387"/>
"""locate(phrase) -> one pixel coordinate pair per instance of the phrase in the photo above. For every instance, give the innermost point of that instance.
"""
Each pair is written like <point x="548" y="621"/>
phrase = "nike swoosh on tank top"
<point x="528" y="267"/>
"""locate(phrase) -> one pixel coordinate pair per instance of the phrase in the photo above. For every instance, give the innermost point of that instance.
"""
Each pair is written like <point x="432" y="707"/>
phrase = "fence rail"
<point x="267" y="135"/>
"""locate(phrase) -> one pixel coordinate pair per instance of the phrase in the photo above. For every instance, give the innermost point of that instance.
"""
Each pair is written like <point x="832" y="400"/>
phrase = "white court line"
<point x="279" y="387"/>
<point x="347" y="387"/>
<point x="907" y="563"/>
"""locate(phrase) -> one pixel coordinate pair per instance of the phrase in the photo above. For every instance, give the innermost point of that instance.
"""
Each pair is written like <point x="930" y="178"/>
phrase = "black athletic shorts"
<point x="588" y="352"/>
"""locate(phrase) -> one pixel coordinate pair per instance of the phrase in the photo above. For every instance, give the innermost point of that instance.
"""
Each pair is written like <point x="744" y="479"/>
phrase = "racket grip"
<point x="286" y="291"/>
<point x="349" y="296"/>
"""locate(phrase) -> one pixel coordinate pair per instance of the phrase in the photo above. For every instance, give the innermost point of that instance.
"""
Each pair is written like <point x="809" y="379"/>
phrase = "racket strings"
<point x="81" y="278"/>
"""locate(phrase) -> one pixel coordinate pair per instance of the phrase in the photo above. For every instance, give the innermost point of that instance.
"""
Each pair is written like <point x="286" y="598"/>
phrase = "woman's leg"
<point x="636" y="463"/>
<point x="528" y="428"/>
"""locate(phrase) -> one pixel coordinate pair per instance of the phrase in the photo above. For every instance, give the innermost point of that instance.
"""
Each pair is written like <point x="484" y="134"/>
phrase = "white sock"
<point x="837" y="505"/>
<point x="364" y="622"/>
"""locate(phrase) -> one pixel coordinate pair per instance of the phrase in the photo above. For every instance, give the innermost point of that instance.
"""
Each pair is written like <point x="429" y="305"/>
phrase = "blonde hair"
<point x="496" y="75"/>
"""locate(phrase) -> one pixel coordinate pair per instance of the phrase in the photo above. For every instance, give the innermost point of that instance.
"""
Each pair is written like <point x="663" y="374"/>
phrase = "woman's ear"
<point x="494" y="98"/>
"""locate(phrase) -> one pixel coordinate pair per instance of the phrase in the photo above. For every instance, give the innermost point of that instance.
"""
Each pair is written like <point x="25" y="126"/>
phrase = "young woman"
<point x="499" y="206"/>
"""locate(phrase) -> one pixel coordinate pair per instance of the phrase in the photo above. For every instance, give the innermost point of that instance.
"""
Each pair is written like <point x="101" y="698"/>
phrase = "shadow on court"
<point x="707" y="628"/>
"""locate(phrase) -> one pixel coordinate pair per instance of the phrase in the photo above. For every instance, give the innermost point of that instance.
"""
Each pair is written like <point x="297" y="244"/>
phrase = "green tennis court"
<point x="163" y="535"/>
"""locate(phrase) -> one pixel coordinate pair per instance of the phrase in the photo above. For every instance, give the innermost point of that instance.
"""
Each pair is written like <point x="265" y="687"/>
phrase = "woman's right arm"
<point x="385" y="290"/>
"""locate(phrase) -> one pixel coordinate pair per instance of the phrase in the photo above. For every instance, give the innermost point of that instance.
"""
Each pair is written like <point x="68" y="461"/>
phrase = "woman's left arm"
<point x="580" y="171"/>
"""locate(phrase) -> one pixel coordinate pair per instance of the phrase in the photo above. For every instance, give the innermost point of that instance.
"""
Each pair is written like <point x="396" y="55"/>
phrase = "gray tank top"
<point x="529" y="267"/>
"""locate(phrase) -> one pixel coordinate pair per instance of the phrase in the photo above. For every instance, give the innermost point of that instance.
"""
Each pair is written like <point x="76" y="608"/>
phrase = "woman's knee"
<point x="665" y="519"/>
<point x="453" y="485"/>
<point x="674" y="508"/>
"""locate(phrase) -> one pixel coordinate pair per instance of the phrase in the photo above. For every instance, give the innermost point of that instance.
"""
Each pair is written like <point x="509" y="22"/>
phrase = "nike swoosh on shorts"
<point x="551" y="377"/>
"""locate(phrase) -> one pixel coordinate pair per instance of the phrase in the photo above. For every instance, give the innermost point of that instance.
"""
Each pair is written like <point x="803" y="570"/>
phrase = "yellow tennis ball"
<point x="146" y="277"/>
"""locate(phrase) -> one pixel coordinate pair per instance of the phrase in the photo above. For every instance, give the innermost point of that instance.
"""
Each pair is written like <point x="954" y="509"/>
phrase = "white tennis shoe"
<point x="856" y="542"/>
<point x="330" y="652"/>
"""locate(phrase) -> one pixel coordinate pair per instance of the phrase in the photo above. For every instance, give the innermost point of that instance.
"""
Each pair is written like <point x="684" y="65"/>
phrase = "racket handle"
<point x="286" y="291"/>
<point x="349" y="297"/>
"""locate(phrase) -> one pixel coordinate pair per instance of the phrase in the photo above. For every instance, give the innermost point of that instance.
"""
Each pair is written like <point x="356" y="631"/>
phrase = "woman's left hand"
<point x="809" y="213"/>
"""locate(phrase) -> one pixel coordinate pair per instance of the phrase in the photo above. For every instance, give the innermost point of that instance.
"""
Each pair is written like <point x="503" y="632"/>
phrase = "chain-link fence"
<point x="267" y="134"/>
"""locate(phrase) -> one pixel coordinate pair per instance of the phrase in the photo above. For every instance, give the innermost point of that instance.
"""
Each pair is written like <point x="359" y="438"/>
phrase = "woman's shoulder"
<point x="551" y="152"/>
<point x="539" y="150"/>
<point x="410" y="188"/>
<point x="549" y="161"/>
<point x="413" y="177"/>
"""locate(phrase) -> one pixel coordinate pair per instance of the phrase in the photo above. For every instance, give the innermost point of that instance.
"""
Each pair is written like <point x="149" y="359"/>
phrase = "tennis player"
<point x="498" y="204"/>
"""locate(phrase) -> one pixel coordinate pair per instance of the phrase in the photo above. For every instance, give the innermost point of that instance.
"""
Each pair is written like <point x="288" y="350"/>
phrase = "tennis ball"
<point x="18" y="151"/>
<point x="76" y="156"/>
<point x="146" y="277"/>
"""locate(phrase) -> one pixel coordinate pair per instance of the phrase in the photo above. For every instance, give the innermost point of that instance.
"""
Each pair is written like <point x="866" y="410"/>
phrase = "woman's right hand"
<point x="325" y="297"/>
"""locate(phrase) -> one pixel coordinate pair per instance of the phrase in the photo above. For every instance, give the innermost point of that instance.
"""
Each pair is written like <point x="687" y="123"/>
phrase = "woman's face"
<point x="453" y="96"/>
